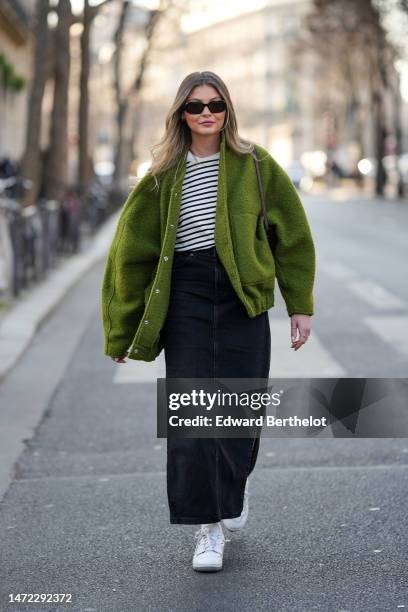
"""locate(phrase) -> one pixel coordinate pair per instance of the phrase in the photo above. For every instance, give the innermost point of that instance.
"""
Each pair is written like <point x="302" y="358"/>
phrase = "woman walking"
<point x="191" y="271"/>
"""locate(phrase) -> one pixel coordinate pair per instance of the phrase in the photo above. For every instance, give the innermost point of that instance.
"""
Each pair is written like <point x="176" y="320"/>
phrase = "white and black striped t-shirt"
<point x="198" y="203"/>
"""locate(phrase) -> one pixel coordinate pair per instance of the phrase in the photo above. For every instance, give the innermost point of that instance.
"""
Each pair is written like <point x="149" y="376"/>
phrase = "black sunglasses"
<point x="195" y="107"/>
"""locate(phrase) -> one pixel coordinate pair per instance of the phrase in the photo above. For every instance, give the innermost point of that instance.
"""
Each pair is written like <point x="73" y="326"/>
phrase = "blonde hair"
<point x="177" y="137"/>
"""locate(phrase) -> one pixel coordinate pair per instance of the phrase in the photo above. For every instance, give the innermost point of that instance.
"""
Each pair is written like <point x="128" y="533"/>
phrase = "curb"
<point x="18" y="328"/>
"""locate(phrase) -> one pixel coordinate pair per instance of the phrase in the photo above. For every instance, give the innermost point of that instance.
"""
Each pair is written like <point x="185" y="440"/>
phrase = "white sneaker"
<point x="209" y="549"/>
<point x="237" y="523"/>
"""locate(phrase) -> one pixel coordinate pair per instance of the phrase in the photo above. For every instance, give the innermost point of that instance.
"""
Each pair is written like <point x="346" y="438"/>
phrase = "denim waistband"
<point x="210" y="252"/>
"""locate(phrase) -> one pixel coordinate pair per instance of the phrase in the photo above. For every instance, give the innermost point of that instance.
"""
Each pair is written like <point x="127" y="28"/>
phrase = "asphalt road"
<point x="87" y="511"/>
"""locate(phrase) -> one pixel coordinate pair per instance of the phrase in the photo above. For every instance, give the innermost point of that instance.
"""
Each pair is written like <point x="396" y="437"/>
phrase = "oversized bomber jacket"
<point x="137" y="278"/>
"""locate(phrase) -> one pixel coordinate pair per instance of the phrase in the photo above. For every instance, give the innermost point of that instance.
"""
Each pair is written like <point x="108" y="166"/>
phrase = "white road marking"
<point x="136" y="371"/>
<point x="336" y="269"/>
<point x="391" y="330"/>
<point x="375" y="295"/>
<point x="369" y="291"/>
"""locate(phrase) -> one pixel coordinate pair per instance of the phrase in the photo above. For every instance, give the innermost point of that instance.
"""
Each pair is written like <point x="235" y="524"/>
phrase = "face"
<point x="206" y="122"/>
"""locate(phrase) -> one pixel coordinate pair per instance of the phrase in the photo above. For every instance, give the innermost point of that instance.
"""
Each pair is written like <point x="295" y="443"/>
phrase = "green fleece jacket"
<point x="137" y="276"/>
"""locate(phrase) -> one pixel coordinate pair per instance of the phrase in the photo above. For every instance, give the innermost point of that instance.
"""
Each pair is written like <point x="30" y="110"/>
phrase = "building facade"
<point x="16" y="47"/>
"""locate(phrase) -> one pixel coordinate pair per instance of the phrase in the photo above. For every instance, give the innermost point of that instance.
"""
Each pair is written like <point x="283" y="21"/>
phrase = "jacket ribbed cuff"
<point x="115" y="349"/>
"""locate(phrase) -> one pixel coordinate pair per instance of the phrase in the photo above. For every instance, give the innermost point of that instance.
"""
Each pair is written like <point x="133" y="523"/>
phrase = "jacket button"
<point x="171" y="225"/>
<point x="136" y="350"/>
<point x="165" y="258"/>
<point x="157" y="290"/>
<point x="146" y="322"/>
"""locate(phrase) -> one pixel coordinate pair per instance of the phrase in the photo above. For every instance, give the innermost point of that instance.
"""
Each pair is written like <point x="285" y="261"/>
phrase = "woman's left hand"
<point x="301" y="322"/>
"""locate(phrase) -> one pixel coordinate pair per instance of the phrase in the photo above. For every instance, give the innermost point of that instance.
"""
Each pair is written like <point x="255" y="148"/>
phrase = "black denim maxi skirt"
<point x="208" y="334"/>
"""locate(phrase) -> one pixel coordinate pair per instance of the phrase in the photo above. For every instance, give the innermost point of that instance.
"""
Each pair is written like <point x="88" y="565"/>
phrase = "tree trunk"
<point x="83" y="166"/>
<point x="398" y="135"/>
<point x="57" y="156"/>
<point x="85" y="162"/>
<point x="31" y="162"/>
<point x="120" y="103"/>
<point x="379" y="139"/>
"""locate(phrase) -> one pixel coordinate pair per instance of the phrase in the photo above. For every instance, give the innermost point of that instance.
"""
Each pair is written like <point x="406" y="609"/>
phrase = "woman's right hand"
<point x="120" y="359"/>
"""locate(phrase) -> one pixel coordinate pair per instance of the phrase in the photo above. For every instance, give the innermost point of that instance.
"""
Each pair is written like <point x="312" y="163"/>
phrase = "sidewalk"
<point x="348" y="191"/>
<point x="19" y="325"/>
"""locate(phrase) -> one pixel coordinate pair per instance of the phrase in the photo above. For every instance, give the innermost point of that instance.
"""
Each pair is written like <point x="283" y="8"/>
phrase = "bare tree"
<point x="55" y="171"/>
<point x="354" y="58"/>
<point x="126" y="100"/>
<point x="330" y="39"/>
<point x="31" y="161"/>
<point x="396" y="93"/>
<point x="120" y="102"/>
<point x="84" y="161"/>
<point x="398" y="9"/>
<point x="134" y="94"/>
